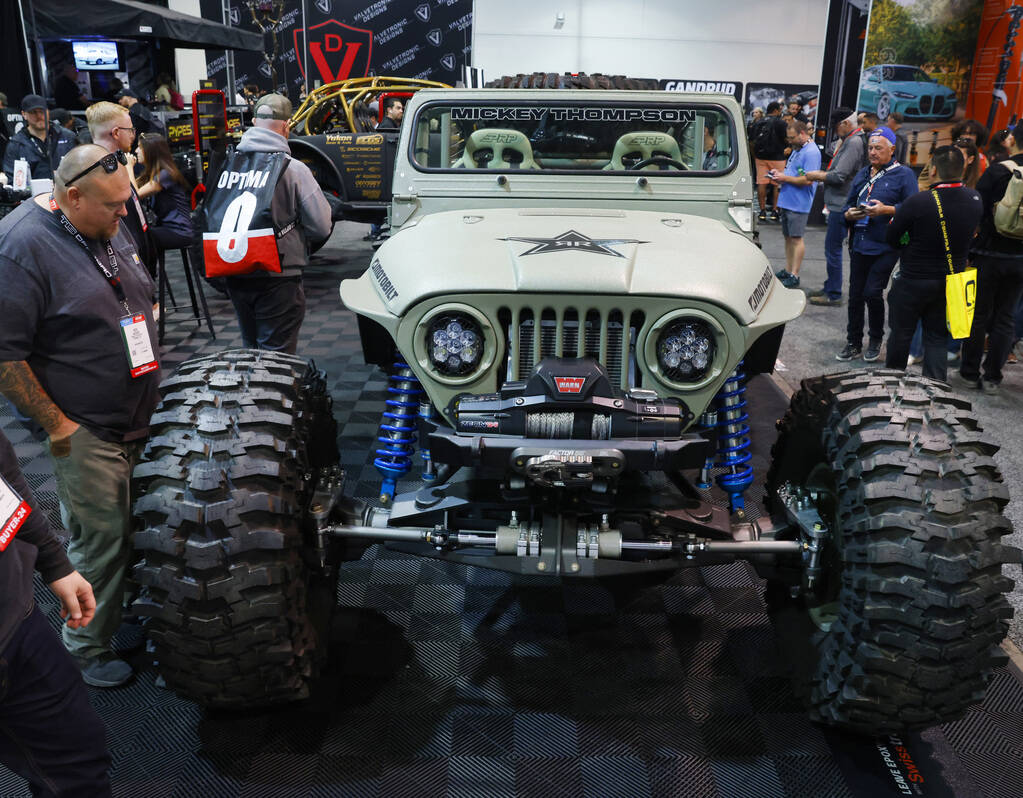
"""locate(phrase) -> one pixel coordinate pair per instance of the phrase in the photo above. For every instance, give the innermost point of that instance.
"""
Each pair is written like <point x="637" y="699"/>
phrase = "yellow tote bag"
<point x="960" y="297"/>
<point x="960" y="288"/>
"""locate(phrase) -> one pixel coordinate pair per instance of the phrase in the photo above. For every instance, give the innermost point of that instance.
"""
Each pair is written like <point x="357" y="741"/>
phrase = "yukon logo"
<point x="265" y="69"/>
<point x="323" y="5"/>
<point x="756" y="299"/>
<point x="569" y="384"/>
<point x="448" y="61"/>
<point x="434" y="37"/>
<point x="337" y="51"/>
<point x="234" y="15"/>
<point x="574" y="242"/>
<point x="423" y="12"/>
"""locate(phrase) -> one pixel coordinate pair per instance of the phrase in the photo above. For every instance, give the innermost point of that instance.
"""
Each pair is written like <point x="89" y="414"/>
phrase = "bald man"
<point x="78" y="354"/>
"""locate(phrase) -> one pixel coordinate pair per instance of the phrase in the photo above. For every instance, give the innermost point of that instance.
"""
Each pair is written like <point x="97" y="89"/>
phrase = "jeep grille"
<point x="609" y="338"/>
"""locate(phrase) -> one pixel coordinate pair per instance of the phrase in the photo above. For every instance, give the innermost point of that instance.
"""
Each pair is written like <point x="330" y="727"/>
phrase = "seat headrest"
<point x="510" y="149"/>
<point x="641" y="144"/>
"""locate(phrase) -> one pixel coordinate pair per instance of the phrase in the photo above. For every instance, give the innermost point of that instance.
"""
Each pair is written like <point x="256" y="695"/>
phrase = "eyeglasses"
<point x="108" y="162"/>
<point x="126" y="128"/>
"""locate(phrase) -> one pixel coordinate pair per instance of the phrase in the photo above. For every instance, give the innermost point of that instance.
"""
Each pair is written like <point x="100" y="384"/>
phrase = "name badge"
<point x="13" y="512"/>
<point x="141" y="359"/>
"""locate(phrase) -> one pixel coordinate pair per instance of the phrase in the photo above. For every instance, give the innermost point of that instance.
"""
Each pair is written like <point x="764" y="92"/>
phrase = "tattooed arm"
<point x="19" y="384"/>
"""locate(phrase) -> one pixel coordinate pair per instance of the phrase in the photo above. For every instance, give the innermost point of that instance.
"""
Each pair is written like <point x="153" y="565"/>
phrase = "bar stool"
<point x="193" y="285"/>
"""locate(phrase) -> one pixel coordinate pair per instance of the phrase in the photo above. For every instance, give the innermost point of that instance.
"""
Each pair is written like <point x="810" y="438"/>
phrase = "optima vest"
<point x="239" y="236"/>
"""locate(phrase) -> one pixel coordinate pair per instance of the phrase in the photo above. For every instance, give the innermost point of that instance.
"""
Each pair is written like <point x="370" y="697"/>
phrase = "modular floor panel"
<point x="453" y="680"/>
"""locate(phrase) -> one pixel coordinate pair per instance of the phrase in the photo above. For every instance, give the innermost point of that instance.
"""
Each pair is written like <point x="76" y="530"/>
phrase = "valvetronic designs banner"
<point x="320" y="41"/>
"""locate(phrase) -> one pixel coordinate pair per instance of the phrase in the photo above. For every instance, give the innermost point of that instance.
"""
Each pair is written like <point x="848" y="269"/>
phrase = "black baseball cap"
<point x="31" y="102"/>
<point x="840" y="113"/>
<point x="127" y="93"/>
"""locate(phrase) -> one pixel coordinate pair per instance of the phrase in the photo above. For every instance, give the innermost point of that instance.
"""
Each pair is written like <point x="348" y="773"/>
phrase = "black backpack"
<point x="766" y="138"/>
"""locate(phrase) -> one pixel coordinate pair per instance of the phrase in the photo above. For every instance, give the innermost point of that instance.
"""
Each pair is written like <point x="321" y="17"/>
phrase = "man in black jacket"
<point x="39" y="142"/>
<point x="394" y="111"/>
<point x="999" y="262"/>
<point x="936" y="227"/>
<point x="51" y="736"/>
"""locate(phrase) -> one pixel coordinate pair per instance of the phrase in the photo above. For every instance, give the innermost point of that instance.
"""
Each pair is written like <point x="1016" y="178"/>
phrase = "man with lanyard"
<point x="999" y="262"/>
<point x="38" y="142"/>
<point x="876" y="193"/>
<point x="77" y="355"/>
<point x="837" y="180"/>
<point x="111" y="127"/>
<point x="52" y="737"/>
<point x="936" y="227"/>
<point x="795" y="196"/>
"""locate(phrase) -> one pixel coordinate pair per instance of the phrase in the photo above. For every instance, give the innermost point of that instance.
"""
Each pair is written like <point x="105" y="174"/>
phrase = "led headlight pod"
<point x="454" y="342"/>
<point x="685" y="350"/>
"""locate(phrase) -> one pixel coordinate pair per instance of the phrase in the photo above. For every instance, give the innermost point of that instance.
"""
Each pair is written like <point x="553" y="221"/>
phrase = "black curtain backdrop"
<point x="324" y="40"/>
<point x="13" y="64"/>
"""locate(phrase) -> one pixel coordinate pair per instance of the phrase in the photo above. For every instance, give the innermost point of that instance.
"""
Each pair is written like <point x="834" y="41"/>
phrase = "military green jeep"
<point x="570" y="308"/>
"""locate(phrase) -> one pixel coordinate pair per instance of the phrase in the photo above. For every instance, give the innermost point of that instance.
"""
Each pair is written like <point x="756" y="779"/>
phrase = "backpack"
<point x="1008" y="211"/>
<point x="765" y="137"/>
<point x="238" y="232"/>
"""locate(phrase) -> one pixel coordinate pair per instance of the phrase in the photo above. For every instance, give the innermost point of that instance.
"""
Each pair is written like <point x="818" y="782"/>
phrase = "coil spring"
<point x="733" y="439"/>
<point x="396" y="434"/>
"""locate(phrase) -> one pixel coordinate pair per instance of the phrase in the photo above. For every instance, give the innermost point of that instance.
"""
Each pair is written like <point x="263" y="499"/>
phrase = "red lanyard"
<point x="948" y="185"/>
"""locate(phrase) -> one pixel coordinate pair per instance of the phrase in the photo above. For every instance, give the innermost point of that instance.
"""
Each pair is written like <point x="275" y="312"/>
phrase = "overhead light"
<point x="559" y="20"/>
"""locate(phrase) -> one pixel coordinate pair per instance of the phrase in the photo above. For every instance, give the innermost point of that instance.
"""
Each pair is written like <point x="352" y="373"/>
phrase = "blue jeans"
<point x="49" y="733"/>
<point x="833" y="241"/>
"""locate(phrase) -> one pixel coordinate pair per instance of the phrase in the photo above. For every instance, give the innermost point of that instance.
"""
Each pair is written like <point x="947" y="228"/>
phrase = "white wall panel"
<point x="190" y="64"/>
<point x="779" y="41"/>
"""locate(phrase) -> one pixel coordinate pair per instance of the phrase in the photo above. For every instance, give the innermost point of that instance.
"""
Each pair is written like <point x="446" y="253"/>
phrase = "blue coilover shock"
<point x="733" y="435"/>
<point x="396" y="435"/>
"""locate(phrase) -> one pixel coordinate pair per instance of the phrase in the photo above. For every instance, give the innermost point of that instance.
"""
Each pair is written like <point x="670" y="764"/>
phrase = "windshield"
<point x="670" y="138"/>
<point x="907" y="73"/>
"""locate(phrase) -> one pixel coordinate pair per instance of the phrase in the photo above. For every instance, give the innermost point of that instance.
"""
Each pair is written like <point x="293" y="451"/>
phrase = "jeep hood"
<point x="568" y="251"/>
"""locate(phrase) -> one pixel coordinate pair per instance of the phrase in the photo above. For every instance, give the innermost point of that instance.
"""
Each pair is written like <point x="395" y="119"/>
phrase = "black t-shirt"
<point x="144" y="120"/>
<point x="923" y="258"/>
<point x="58" y="313"/>
<point x="33" y="547"/>
<point x="171" y="205"/>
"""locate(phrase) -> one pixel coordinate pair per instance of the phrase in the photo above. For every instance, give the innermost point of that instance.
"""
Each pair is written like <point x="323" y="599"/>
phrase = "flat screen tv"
<point x="95" y="55"/>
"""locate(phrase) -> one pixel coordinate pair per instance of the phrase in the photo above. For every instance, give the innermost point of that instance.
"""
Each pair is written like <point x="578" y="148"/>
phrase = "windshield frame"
<point x="574" y="102"/>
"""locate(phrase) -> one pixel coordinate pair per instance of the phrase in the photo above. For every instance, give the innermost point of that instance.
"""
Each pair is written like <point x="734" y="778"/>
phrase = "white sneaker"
<point x="912" y="360"/>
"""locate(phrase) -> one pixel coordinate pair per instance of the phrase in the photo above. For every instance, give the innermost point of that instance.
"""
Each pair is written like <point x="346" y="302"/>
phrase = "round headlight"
<point x="685" y="350"/>
<point x="455" y="344"/>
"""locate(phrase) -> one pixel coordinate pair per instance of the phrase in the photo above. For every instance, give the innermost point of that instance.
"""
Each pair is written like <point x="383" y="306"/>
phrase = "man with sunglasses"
<point x="39" y="142"/>
<point x="78" y="354"/>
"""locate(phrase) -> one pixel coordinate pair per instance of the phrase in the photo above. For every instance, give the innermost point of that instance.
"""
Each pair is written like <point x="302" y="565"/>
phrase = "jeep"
<point x="570" y="310"/>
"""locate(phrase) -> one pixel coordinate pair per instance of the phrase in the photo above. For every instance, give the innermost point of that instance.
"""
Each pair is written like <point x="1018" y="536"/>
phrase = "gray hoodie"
<point x="844" y="166"/>
<point x="298" y="196"/>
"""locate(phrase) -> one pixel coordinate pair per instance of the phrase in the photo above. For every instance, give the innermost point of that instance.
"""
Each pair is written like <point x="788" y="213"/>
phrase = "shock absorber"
<point x="733" y="439"/>
<point x="396" y="435"/>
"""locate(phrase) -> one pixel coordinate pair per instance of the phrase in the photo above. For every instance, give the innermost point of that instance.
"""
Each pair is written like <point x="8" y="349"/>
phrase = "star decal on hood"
<point x="574" y="242"/>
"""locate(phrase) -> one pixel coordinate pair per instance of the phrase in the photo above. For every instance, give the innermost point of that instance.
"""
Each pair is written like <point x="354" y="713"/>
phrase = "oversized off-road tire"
<point x="913" y="584"/>
<point x="233" y="601"/>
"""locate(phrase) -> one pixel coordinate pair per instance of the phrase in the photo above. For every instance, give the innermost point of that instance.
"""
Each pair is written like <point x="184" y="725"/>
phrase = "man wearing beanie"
<point x="876" y="193"/>
<point x="270" y="304"/>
